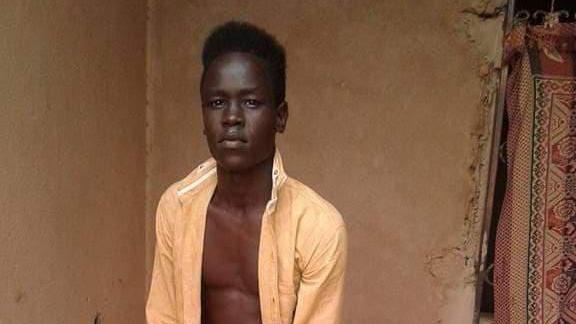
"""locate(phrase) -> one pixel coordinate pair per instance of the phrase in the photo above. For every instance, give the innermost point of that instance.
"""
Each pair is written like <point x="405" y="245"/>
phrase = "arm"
<point x="321" y="288"/>
<point x="161" y="306"/>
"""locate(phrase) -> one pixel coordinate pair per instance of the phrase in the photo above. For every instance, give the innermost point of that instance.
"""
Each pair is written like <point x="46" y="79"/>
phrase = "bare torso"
<point x="230" y="266"/>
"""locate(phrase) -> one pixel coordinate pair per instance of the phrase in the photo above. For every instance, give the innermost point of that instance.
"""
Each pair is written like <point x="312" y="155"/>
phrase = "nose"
<point x="233" y="115"/>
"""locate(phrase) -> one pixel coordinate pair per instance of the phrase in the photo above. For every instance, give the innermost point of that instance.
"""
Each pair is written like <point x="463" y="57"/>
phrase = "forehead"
<point x="236" y="70"/>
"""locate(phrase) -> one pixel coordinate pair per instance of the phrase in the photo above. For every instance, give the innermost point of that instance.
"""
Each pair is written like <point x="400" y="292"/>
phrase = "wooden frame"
<point x="498" y="118"/>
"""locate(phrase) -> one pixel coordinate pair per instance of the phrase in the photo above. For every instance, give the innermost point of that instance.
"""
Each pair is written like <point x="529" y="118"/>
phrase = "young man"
<point x="238" y="241"/>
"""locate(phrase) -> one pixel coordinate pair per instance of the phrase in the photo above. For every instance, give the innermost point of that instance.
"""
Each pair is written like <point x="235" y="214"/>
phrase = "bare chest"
<point x="230" y="255"/>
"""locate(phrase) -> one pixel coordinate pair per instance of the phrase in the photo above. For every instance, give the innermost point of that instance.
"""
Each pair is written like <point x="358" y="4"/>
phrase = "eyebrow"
<point x="243" y="91"/>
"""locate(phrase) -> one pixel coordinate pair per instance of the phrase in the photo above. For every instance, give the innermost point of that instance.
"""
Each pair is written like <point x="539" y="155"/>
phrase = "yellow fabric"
<point x="301" y="257"/>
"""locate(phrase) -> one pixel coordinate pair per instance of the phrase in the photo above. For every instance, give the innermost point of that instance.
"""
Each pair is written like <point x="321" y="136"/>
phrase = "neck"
<point x="247" y="188"/>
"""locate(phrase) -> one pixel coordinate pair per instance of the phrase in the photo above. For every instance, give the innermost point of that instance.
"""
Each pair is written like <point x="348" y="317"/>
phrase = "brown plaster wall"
<point x="384" y="99"/>
<point x="72" y="161"/>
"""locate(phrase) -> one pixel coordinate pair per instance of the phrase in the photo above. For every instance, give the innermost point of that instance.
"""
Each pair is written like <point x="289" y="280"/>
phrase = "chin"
<point x="235" y="162"/>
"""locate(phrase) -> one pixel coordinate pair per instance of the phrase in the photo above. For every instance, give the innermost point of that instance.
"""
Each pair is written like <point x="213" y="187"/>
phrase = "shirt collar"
<point x="207" y="171"/>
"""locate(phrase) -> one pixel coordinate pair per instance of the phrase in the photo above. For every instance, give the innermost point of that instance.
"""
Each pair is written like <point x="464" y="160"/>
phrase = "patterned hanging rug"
<point x="535" y="261"/>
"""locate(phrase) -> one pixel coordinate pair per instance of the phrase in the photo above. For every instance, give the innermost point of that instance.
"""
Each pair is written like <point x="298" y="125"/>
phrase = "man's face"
<point x="240" y="120"/>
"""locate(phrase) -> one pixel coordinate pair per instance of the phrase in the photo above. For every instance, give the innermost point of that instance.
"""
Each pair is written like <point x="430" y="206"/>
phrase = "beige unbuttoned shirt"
<point x="301" y="257"/>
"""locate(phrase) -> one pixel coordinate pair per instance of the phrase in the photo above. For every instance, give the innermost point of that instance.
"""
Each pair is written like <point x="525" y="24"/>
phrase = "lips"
<point x="232" y="140"/>
<point x="233" y="137"/>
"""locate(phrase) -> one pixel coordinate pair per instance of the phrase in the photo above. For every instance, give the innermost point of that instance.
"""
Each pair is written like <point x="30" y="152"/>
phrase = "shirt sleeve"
<point x="161" y="305"/>
<point x="321" y="288"/>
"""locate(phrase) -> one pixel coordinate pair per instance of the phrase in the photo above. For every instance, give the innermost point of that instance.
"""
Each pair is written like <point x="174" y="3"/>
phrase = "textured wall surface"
<point x="72" y="161"/>
<point x="384" y="100"/>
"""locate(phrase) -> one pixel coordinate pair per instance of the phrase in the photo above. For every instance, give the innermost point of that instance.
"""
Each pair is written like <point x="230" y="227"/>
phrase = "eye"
<point x="252" y="103"/>
<point x="215" y="103"/>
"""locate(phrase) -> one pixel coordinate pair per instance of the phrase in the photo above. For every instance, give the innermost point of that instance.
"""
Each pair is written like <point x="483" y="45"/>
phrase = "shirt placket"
<point x="268" y="265"/>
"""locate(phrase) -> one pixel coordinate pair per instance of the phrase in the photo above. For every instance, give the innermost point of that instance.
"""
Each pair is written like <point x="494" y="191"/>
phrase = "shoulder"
<point x="184" y="190"/>
<point x="192" y="183"/>
<point x="169" y="198"/>
<point x="313" y="213"/>
<point x="166" y="211"/>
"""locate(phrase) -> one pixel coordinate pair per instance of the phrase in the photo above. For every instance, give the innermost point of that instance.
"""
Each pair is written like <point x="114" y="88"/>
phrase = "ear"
<point x="281" y="117"/>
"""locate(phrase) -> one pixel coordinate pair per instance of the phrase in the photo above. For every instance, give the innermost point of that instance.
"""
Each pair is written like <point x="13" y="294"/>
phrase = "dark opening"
<point x="98" y="318"/>
<point x="487" y="301"/>
<point x="532" y="6"/>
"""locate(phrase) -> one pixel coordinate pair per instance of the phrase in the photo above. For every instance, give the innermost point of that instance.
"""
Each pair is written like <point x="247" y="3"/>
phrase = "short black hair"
<point x="244" y="37"/>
